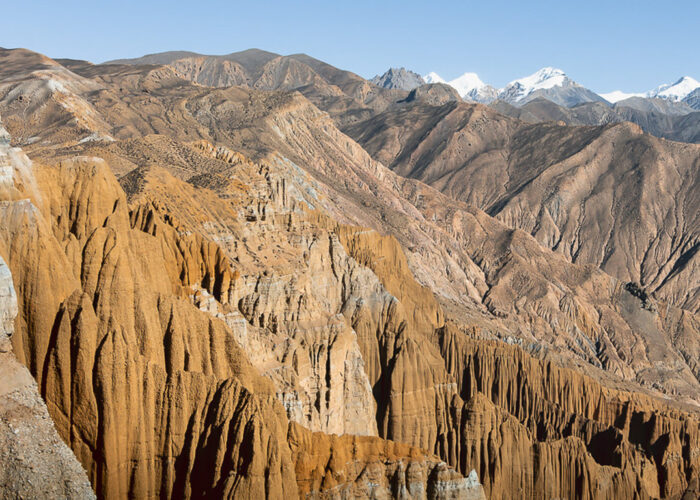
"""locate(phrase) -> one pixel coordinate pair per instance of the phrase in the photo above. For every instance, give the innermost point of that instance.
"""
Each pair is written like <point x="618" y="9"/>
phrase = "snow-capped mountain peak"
<point x="548" y="83"/>
<point x="546" y="78"/>
<point x="469" y="86"/>
<point x="675" y="91"/>
<point x="466" y="83"/>
<point x="433" y="77"/>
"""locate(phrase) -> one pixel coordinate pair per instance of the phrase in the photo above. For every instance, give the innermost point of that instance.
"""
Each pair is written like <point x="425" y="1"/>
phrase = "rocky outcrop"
<point x="693" y="99"/>
<point x="533" y="411"/>
<point x="435" y="94"/>
<point x="398" y="78"/>
<point x="139" y="300"/>
<point x="332" y="467"/>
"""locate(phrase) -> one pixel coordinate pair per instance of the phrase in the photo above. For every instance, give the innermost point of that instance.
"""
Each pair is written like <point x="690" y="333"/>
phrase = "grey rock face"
<point x="676" y="127"/>
<point x="398" y="78"/>
<point x="568" y="95"/>
<point x="484" y="95"/>
<point x="8" y="307"/>
<point x="655" y="105"/>
<point x="693" y="99"/>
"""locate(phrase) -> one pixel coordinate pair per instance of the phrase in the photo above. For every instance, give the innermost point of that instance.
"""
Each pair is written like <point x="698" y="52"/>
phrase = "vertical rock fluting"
<point x="153" y="394"/>
<point x="177" y="327"/>
<point x="144" y="387"/>
<point x="646" y="448"/>
<point x="400" y="337"/>
<point x="566" y="433"/>
<point x="35" y="461"/>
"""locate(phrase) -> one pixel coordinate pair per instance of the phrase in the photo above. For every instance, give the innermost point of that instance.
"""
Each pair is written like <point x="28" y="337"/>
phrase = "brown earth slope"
<point x="346" y="96"/>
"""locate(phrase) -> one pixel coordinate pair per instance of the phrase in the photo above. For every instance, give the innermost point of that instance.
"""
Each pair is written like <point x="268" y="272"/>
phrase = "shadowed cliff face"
<point x="254" y="282"/>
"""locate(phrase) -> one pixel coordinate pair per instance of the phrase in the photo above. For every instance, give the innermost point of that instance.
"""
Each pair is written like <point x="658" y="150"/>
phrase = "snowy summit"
<point x="618" y="95"/>
<point x="469" y="86"/>
<point x="546" y="78"/>
<point x="466" y="83"/>
<point x="675" y="91"/>
<point x="433" y="77"/>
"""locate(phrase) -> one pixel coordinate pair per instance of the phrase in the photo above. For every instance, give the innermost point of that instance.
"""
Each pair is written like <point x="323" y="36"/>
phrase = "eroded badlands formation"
<point x="220" y="294"/>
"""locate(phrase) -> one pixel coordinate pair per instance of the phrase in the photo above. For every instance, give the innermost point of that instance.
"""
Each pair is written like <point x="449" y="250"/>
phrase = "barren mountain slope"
<point x="609" y="196"/>
<point x="254" y="266"/>
<point x="349" y="98"/>
<point x="346" y="96"/>
<point x="654" y="120"/>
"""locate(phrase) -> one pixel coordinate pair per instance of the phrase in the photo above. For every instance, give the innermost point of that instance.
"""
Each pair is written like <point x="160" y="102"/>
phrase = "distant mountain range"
<point x="547" y="95"/>
<point x="654" y="116"/>
<point x="554" y="85"/>
<point x="675" y="92"/>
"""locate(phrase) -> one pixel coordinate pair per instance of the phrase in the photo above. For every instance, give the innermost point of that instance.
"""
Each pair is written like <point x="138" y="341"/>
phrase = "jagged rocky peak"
<point x="399" y="78"/>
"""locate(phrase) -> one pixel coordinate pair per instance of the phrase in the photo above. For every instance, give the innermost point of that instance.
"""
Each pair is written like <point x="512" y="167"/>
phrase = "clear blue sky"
<point x="617" y="44"/>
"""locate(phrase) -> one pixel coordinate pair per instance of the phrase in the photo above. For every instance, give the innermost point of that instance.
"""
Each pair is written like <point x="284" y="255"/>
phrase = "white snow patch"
<point x="546" y="78"/>
<point x="618" y="95"/>
<point x="433" y="77"/>
<point x="466" y="83"/>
